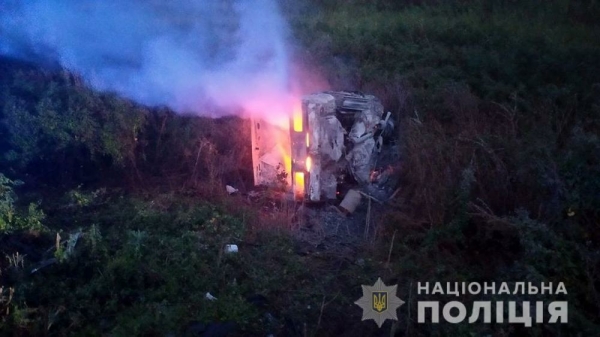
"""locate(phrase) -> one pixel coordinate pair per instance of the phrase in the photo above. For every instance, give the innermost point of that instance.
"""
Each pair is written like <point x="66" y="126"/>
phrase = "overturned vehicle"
<point x="335" y="141"/>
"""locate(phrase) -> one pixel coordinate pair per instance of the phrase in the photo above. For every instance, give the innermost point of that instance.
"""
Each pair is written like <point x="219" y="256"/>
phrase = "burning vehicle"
<point x="335" y="141"/>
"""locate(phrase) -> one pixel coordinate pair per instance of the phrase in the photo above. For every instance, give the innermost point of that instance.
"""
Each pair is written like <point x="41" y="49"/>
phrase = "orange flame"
<point x="299" y="183"/>
<point x="283" y="147"/>
<point x="297" y="118"/>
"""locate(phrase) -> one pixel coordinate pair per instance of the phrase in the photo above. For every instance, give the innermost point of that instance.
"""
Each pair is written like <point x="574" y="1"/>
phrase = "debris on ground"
<point x="351" y="201"/>
<point x="231" y="189"/>
<point x="210" y="297"/>
<point x="231" y="249"/>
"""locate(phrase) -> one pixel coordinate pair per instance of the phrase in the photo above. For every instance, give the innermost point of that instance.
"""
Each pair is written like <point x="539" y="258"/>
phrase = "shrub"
<point x="11" y="219"/>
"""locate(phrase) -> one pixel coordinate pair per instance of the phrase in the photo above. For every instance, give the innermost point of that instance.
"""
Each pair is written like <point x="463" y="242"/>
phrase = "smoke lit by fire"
<point x="207" y="57"/>
<point x="203" y="57"/>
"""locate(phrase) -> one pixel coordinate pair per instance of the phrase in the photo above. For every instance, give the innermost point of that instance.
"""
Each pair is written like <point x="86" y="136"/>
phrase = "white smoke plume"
<point x="185" y="54"/>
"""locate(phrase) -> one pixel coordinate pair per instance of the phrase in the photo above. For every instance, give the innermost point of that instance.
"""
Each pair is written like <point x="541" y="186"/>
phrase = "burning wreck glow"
<point x="299" y="184"/>
<point x="272" y="119"/>
<point x="283" y="148"/>
<point x="297" y="118"/>
<point x="279" y="125"/>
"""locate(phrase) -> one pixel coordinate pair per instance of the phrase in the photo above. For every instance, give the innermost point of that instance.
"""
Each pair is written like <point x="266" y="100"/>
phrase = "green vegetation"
<point x="143" y="267"/>
<point x="499" y="109"/>
<point x="121" y="209"/>
<point x="12" y="219"/>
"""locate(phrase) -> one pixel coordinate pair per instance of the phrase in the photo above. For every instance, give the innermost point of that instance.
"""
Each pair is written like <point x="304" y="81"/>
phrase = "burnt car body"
<point x="335" y="138"/>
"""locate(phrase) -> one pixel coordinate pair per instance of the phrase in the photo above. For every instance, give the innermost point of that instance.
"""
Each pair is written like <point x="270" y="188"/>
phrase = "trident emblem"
<point x="379" y="301"/>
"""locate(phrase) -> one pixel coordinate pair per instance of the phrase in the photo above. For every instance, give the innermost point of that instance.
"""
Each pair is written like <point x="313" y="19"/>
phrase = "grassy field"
<point x="497" y="105"/>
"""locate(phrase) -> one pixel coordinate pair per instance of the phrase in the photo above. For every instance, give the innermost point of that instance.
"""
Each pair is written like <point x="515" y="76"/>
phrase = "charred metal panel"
<point x="320" y="110"/>
<point x="270" y="144"/>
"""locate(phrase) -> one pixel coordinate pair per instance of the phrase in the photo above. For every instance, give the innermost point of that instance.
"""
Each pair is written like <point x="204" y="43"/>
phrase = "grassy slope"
<point x="500" y="151"/>
<point x="498" y="105"/>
